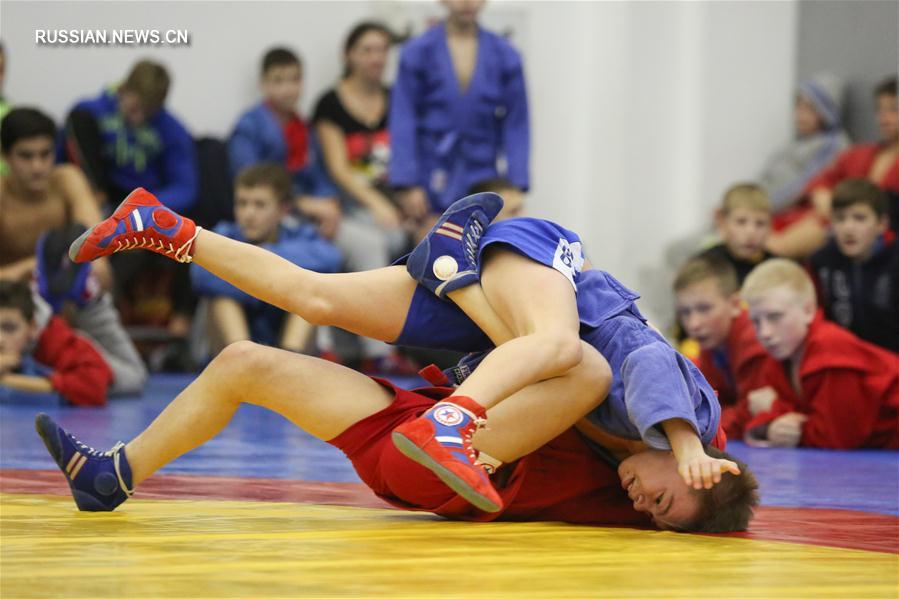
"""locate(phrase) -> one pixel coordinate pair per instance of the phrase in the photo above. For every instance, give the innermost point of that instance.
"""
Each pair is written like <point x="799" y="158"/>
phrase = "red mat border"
<point x="846" y="529"/>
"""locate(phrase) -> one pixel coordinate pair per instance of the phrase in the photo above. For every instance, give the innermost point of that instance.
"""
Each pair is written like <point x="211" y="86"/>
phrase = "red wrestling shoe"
<point x="440" y="440"/>
<point x="140" y="222"/>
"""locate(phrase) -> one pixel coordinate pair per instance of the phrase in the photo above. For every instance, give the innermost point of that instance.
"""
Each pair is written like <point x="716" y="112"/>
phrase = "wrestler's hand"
<point x="702" y="471"/>
<point x="786" y="430"/>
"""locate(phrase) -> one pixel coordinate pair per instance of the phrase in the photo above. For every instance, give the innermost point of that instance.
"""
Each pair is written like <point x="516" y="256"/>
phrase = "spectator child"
<point x="126" y="138"/>
<point x="262" y="200"/>
<point x="743" y="222"/>
<point x="858" y="271"/>
<point x="827" y="388"/>
<point x="37" y="195"/>
<point x="877" y="162"/>
<point x="710" y="311"/>
<point x="46" y="357"/>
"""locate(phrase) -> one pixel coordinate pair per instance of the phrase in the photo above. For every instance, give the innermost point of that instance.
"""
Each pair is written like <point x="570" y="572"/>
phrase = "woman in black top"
<point x="351" y="123"/>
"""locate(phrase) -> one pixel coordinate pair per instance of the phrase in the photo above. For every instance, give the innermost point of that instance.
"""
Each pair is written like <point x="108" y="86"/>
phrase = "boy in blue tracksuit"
<point x="126" y="138"/>
<point x="262" y="200"/>
<point x="272" y="131"/>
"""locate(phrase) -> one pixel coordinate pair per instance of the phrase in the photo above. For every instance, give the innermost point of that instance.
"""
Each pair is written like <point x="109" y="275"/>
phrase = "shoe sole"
<point x="449" y="478"/>
<point x="76" y="245"/>
<point x="48" y="431"/>
<point x="43" y="424"/>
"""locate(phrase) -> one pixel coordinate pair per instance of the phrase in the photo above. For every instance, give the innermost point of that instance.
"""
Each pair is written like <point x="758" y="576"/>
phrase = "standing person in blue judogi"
<point x="458" y="114"/>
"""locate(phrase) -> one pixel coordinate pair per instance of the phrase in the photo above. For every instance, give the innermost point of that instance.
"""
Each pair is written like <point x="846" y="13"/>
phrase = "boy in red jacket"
<point x="828" y="388"/>
<point x="710" y="311"/>
<point x="61" y="362"/>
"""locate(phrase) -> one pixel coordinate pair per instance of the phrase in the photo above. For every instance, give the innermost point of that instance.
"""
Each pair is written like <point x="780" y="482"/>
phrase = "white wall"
<point x="642" y="112"/>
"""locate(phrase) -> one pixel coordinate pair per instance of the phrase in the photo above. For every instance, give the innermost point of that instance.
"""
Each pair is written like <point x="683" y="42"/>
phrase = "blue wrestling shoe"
<point x="447" y="258"/>
<point x="99" y="481"/>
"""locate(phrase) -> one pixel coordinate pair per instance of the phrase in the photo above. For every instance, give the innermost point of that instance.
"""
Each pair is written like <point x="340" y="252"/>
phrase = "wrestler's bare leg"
<point x="371" y="303"/>
<point x="325" y="399"/>
<point x="530" y="312"/>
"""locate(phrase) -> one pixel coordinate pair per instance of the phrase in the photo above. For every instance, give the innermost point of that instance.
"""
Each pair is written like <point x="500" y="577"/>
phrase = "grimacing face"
<point x="653" y="484"/>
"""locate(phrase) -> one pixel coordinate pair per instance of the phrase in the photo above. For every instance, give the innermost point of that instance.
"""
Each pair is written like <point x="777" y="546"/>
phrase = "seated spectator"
<point x="743" y="222"/>
<point x="458" y="114"/>
<point x="710" y="311"/>
<point x="877" y="162"/>
<point x="820" y="137"/>
<point x="123" y="139"/>
<point x="351" y="123"/>
<point x="72" y="292"/>
<point x="38" y="195"/>
<point x="126" y="138"/>
<point x="513" y="199"/>
<point x="46" y="357"/>
<point x="273" y="131"/>
<point x="857" y="272"/>
<point x="262" y="200"/>
<point x="826" y="387"/>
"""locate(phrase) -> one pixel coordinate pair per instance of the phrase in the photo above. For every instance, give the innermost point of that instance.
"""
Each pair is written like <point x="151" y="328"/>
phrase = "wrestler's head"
<point x="29" y="148"/>
<point x="782" y="305"/>
<point x="656" y="488"/>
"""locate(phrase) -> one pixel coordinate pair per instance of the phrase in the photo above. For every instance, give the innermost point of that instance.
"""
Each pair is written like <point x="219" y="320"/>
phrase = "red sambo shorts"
<point x="562" y="481"/>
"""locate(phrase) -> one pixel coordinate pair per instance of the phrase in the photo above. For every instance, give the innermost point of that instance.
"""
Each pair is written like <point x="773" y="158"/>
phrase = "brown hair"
<point x="730" y="504"/>
<point x="149" y="81"/>
<point x="778" y="272"/>
<point x="887" y="87"/>
<point x="701" y="268"/>
<point x="17" y="295"/>
<point x="267" y="174"/>
<point x="356" y="34"/>
<point x="745" y="195"/>
<point x="280" y="57"/>
<point x="860" y="191"/>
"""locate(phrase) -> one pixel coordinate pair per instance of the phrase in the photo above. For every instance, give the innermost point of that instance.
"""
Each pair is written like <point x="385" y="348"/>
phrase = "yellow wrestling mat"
<point x="176" y="548"/>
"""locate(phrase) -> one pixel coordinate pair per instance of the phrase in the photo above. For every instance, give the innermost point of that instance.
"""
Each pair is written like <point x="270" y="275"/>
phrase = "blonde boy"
<point x="827" y="387"/>
<point x="744" y="223"/>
